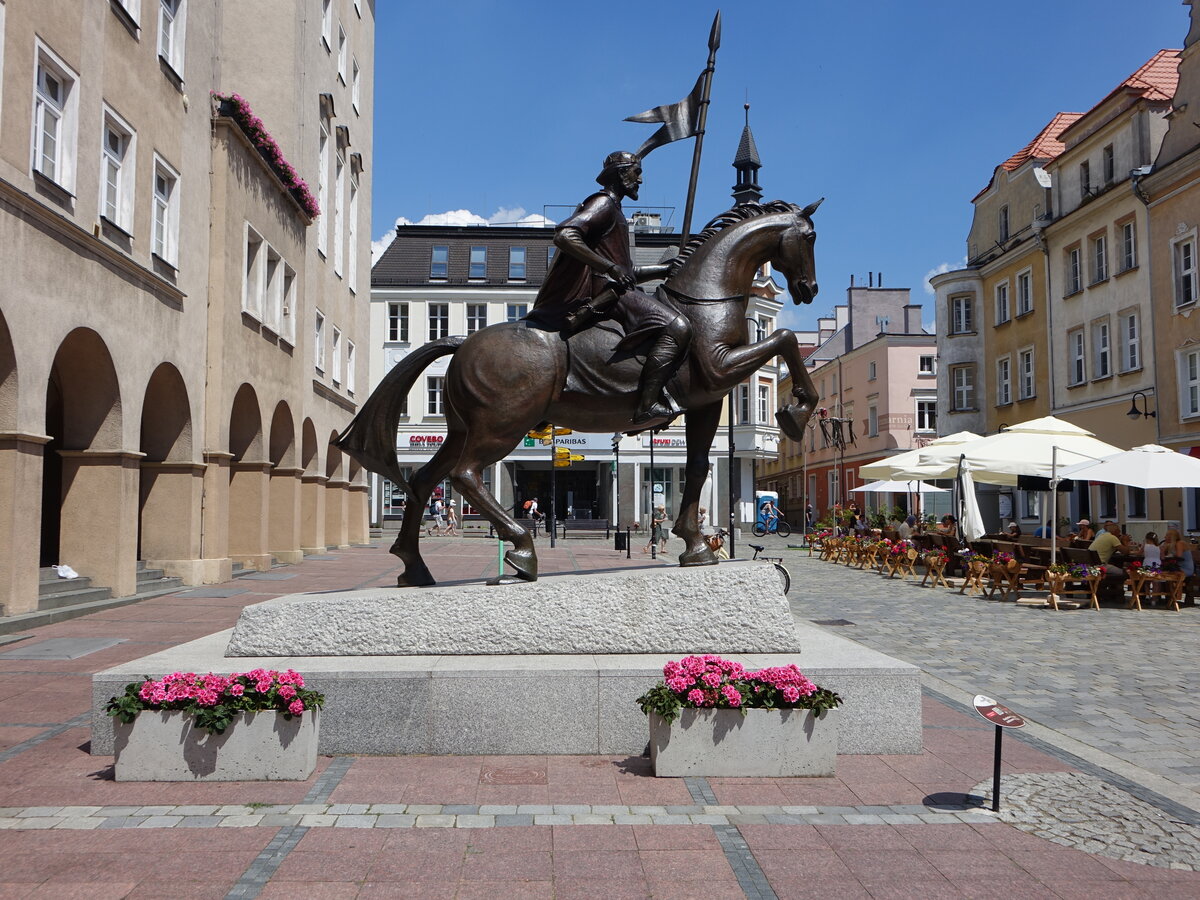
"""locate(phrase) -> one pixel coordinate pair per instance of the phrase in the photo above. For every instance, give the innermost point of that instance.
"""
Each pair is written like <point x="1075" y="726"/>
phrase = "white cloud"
<point x="938" y="270"/>
<point x="515" y="215"/>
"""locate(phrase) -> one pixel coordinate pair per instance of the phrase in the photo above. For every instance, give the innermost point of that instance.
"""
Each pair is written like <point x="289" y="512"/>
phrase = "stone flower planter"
<point x="765" y="743"/>
<point x="163" y="745"/>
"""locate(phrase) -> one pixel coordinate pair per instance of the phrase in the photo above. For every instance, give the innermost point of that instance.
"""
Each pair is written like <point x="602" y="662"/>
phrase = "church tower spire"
<point x="747" y="163"/>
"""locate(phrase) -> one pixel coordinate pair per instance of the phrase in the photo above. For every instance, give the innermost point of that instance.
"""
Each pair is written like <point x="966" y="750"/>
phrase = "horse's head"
<point x="794" y="255"/>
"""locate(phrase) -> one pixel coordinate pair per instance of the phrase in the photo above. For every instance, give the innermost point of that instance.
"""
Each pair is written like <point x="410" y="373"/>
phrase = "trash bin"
<point x="622" y="540"/>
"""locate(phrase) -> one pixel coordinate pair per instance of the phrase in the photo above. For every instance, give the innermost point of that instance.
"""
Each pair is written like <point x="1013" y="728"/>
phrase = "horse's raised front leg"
<point x="739" y="363"/>
<point x="701" y="428"/>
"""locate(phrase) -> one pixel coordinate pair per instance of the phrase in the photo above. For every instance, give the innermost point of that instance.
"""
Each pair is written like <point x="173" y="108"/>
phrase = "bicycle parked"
<point x="784" y="578"/>
<point x="776" y="525"/>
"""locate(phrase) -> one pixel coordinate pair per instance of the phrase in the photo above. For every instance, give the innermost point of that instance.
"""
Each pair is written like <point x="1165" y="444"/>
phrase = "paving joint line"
<point x="17" y="749"/>
<point x="750" y="876"/>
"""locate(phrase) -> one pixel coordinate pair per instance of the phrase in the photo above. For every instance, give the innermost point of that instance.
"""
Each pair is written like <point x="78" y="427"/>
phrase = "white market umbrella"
<point x="1030" y="448"/>
<point x="902" y="466"/>
<point x="1150" y="467"/>
<point x="970" y="524"/>
<point x="898" y="487"/>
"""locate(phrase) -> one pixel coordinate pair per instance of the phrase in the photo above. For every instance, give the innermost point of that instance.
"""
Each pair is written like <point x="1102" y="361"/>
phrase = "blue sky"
<point x="896" y="112"/>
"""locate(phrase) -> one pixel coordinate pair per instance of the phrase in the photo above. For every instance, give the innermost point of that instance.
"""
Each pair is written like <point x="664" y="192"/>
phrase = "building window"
<point x="1131" y="342"/>
<point x="350" y="380"/>
<point x="743" y="397"/>
<point x="516" y="312"/>
<point x="319" y="342"/>
<point x="327" y="24"/>
<point x="1135" y="503"/>
<point x="339" y="213"/>
<point x="1128" y="246"/>
<point x="1004" y="223"/>
<point x="1024" y="293"/>
<point x="1184" y="253"/>
<point x="872" y="421"/>
<point x="871" y="371"/>
<point x="926" y="415"/>
<point x="165" y="234"/>
<point x="927" y="365"/>
<point x="516" y="263"/>
<point x="289" y="305"/>
<point x="323" y="185"/>
<point x="336" y="353"/>
<point x="550" y="251"/>
<point x="962" y="319"/>
<point x="439" y="321"/>
<point x="273" y="291"/>
<point x="963" y="381"/>
<point x="341" y="56"/>
<point x="1002" y="303"/>
<point x="117" y="158"/>
<point x="1101" y="362"/>
<point x="133" y="7"/>
<point x="1031" y="504"/>
<point x="252" y="278"/>
<point x="835" y="492"/>
<point x="171" y="20"/>
<point x="355" y="89"/>
<point x="439" y="263"/>
<point x="1076" y="353"/>
<point x="1108" y="500"/>
<point x="397" y="321"/>
<point x="1074" y="275"/>
<point x="352" y="236"/>
<point x="1099" y="259"/>
<point x="1085" y="180"/>
<point x="434" y="390"/>
<point x="1189" y="383"/>
<point x="1026" y="373"/>
<point x="1109" y="165"/>
<point x="764" y="403"/>
<point x="476" y="317"/>
<point x="478" y="270"/>
<point x="55" y="119"/>
<point x="1004" y="381"/>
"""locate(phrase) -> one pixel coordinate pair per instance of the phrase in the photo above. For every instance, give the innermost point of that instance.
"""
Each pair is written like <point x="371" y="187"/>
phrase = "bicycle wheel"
<point x="759" y="530"/>
<point x="784" y="578"/>
<point x="783" y="529"/>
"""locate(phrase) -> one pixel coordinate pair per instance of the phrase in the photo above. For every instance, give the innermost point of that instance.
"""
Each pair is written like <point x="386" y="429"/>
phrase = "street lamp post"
<point x="619" y="535"/>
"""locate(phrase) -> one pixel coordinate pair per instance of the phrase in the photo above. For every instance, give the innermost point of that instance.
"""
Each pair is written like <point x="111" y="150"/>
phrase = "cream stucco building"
<point x="179" y="328"/>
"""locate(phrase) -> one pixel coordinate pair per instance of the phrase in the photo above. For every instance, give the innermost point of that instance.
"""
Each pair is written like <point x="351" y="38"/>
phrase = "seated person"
<point x="1151" y="552"/>
<point x="948" y="526"/>
<point x="905" y="528"/>
<point x="1178" y="551"/>
<point x="1013" y="531"/>
<point x="1045" y="531"/>
<point x="1083" y="531"/>
<point x="1106" y="544"/>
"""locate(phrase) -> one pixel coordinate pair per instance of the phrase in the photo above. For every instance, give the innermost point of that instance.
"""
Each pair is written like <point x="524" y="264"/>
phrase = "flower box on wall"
<point x="764" y="743"/>
<point x="166" y="745"/>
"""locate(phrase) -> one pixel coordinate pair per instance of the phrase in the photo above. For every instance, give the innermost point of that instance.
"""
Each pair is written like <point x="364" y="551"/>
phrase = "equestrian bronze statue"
<point x="572" y="362"/>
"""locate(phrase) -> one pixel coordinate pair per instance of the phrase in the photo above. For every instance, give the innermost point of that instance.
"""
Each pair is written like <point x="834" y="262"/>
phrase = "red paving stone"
<point x="561" y="862"/>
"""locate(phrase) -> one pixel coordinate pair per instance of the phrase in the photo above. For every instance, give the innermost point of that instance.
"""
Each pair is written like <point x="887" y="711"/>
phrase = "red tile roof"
<point x="1155" y="80"/>
<point x="1045" y="146"/>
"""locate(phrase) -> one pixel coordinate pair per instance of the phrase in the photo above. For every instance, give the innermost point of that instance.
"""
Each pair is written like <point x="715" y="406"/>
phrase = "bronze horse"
<point x="509" y="378"/>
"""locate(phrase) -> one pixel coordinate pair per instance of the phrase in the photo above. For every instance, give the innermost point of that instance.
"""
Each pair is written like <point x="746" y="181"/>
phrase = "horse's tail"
<point x="370" y="438"/>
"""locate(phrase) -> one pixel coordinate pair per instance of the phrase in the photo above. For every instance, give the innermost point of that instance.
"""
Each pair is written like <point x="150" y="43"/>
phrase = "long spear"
<point x="714" y="41"/>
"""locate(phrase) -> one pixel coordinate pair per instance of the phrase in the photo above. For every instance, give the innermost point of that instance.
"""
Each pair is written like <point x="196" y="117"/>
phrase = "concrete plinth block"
<point x="732" y="608"/>
<point x="762" y="743"/>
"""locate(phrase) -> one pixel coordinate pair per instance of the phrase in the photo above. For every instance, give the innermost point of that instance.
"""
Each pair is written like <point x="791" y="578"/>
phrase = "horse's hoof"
<point x="701" y="557"/>
<point x="416" y="576"/>
<point x="792" y="420"/>
<point x="525" y="562"/>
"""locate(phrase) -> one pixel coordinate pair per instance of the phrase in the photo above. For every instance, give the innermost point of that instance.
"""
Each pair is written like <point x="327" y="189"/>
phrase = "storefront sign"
<point x="664" y="441"/>
<point x="425" y="440"/>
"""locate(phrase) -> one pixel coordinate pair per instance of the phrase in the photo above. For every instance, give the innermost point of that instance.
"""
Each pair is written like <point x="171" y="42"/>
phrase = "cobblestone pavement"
<point x="1121" y="681"/>
<point x="1087" y="813"/>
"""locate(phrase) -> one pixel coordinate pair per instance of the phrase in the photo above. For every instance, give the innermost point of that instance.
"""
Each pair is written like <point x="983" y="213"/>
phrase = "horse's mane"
<point x="739" y="213"/>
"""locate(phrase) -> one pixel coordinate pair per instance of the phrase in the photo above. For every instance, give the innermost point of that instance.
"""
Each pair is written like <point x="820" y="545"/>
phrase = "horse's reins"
<point x="684" y="298"/>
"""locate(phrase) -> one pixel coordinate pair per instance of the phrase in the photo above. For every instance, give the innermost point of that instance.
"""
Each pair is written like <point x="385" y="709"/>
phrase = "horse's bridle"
<point x="684" y="298"/>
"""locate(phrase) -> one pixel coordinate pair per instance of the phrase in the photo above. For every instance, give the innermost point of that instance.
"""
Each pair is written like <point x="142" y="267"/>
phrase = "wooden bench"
<point x="585" y="527"/>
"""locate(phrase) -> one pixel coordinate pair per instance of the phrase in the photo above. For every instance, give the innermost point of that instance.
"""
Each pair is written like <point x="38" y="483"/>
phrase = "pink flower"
<point x="791" y="693"/>
<point x="287" y="692"/>
<point x="296" y="707"/>
<point x="237" y="689"/>
<point x="711" y="679"/>
<point x="695" y="696"/>
<point x="207" y="698"/>
<point x="731" y="695"/>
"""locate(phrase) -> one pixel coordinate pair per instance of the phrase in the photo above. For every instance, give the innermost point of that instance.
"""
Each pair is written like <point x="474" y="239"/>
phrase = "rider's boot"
<point x="661" y="362"/>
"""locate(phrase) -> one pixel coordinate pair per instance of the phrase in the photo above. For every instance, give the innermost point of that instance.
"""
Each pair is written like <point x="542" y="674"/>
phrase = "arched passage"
<point x="283" y="532"/>
<point x="172" y="482"/>
<point x="336" y="485"/>
<point x="89" y="482"/>
<point x="312" y="492"/>
<point x="20" y="493"/>
<point x="249" y="477"/>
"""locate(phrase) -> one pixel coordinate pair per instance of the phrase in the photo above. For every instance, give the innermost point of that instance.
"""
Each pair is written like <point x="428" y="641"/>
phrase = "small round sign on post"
<point x="1002" y="717"/>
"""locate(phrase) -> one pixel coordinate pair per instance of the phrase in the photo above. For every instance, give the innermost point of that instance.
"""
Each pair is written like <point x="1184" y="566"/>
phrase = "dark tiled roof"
<point x="406" y="261"/>
<point x="747" y="151"/>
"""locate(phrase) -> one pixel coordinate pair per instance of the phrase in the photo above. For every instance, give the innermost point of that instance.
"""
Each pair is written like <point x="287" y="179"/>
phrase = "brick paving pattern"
<point x="565" y="827"/>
